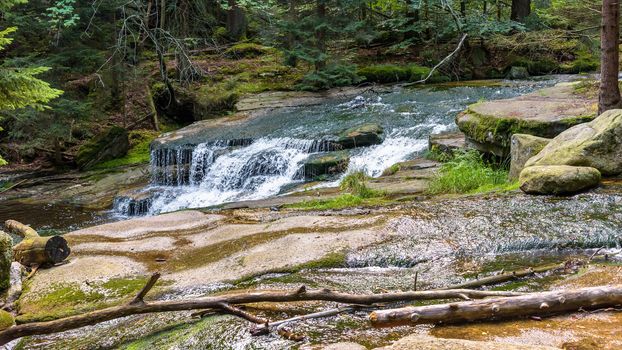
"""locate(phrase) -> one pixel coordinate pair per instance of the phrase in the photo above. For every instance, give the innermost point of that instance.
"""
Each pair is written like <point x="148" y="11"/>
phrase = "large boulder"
<point x="111" y="144"/>
<point x="489" y="125"/>
<point x="6" y="258"/>
<point x="597" y="144"/>
<point x="522" y="149"/>
<point x="518" y="73"/>
<point x="361" y="136"/>
<point x="426" y="342"/>
<point x="325" y="164"/>
<point x="558" y="179"/>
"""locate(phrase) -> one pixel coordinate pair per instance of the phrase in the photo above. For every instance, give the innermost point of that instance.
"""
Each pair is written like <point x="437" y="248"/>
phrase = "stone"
<point x="518" y="73"/>
<point x="597" y="144"/>
<point x="447" y="142"/>
<point x="361" y="136"/>
<point x="489" y="125"/>
<point x="6" y="258"/>
<point x="558" y="179"/>
<point x="321" y="164"/>
<point x="344" y="346"/>
<point x="522" y="149"/>
<point x="425" y="342"/>
<point x="111" y="144"/>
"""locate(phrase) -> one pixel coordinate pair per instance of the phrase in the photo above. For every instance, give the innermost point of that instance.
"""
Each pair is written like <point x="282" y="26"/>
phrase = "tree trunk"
<point x="291" y="59"/>
<point x="609" y="94"/>
<point x="320" y="35"/>
<point x="236" y="21"/>
<point x="463" y="8"/>
<point x="35" y="250"/>
<point x="520" y="10"/>
<point x="534" y="304"/>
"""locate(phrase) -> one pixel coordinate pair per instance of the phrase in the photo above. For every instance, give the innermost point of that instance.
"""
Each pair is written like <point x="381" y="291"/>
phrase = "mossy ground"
<point x="138" y="153"/>
<point x="66" y="299"/>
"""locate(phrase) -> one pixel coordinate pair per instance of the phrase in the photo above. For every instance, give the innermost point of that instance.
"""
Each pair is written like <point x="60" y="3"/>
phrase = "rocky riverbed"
<point x="443" y="241"/>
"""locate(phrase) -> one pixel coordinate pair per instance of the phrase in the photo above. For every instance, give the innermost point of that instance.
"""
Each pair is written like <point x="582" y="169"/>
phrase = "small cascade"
<point x="216" y="172"/>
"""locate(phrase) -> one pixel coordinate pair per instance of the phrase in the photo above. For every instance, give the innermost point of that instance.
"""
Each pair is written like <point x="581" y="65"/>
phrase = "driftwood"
<point x="509" y="276"/>
<point x="35" y="250"/>
<point x="225" y="304"/>
<point x="534" y="304"/>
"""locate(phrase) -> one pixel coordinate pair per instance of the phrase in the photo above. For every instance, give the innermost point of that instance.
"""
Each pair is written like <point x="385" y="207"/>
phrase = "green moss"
<point x="139" y="152"/>
<point x="103" y="147"/>
<point x="343" y="201"/>
<point x="6" y="320"/>
<point x="391" y="73"/>
<point x="541" y="66"/>
<point x="69" y="299"/>
<point x="247" y="50"/>
<point x="585" y="62"/>
<point x="330" y="260"/>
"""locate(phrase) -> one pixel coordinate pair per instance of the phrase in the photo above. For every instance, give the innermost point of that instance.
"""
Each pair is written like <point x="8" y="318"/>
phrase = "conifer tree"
<point x="19" y="87"/>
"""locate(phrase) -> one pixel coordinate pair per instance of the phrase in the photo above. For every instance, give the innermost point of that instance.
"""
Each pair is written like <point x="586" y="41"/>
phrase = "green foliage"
<point x="343" y="201"/>
<point x="62" y="15"/>
<point x="334" y="75"/>
<point x="467" y="172"/>
<point x="391" y="170"/>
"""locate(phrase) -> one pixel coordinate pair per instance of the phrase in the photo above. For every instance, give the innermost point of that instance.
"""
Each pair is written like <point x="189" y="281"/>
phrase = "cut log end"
<point x="57" y="249"/>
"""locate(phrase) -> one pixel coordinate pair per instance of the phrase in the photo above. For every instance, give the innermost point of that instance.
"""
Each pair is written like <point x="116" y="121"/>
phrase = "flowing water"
<point x="265" y="155"/>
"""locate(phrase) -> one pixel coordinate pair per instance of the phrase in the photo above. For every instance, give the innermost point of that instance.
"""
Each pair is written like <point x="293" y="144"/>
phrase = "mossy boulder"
<point x="516" y="73"/>
<point x="597" y="144"/>
<point x="361" y="136"/>
<point x="323" y="164"/>
<point x="523" y="148"/>
<point x="111" y="144"/>
<point x="393" y="73"/>
<point x="489" y="126"/>
<point x="558" y="179"/>
<point x="6" y="258"/>
<point x="247" y="50"/>
<point x="205" y="102"/>
<point x="446" y="142"/>
<point x="6" y="320"/>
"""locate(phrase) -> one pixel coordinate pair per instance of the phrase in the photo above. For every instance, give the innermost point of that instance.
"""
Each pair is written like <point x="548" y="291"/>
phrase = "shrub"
<point x="354" y="183"/>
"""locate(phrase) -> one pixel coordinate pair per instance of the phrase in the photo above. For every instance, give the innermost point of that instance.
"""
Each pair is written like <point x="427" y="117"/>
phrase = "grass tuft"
<point x="468" y="172"/>
<point x="355" y="184"/>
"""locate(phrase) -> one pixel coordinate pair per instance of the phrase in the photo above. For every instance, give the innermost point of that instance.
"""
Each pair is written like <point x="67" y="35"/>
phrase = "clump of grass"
<point x="391" y="170"/>
<point x="468" y="172"/>
<point x="355" y="184"/>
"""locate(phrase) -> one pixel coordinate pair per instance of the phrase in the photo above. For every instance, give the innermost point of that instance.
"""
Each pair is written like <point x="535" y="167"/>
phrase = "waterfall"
<point x="222" y="171"/>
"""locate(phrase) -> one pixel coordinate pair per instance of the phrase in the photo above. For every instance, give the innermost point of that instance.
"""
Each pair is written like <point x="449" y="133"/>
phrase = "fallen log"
<point x="508" y="276"/>
<point x="138" y="306"/>
<point x="35" y="250"/>
<point x="533" y="304"/>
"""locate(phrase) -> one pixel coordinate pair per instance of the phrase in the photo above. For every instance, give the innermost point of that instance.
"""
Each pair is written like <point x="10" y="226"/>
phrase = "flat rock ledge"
<point x="422" y="342"/>
<point x="489" y="125"/>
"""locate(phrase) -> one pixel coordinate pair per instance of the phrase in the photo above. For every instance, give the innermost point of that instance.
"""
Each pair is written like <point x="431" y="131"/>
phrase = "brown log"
<point x="300" y="294"/>
<point x="35" y="250"/>
<point x="508" y="276"/>
<point x="534" y="304"/>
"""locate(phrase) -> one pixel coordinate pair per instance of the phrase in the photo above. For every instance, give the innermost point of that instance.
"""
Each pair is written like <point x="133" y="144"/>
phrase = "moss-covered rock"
<point x="6" y="258"/>
<point x="393" y="73"/>
<point x="361" y="136"/>
<point x="489" y="126"/>
<point x="523" y="148"/>
<point x="111" y="144"/>
<point x="558" y="179"/>
<point x="247" y="50"/>
<point x="597" y="144"/>
<point x="326" y="164"/>
<point x="518" y="73"/>
<point x="6" y="320"/>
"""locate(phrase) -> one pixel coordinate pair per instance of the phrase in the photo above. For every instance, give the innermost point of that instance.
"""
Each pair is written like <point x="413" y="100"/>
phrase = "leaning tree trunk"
<point x="534" y="304"/>
<point x="609" y="94"/>
<point x="520" y="10"/>
<point x="35" y="250"/>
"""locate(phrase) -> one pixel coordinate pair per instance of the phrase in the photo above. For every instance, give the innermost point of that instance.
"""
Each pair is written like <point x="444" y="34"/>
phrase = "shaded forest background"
<point x="138" y="68"/>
